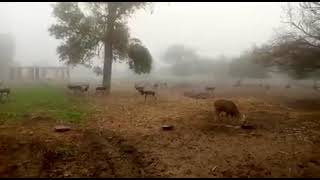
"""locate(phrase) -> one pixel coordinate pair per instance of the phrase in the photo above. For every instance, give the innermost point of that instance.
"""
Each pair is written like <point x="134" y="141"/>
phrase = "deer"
<point x="229" y="107"/>
<point x="147" y="93"/>
<point x="101" y="89"/>
<point x="138" y="88"/>
<point x="156" y="85"/>
<point x="4" y="92"/>
<point x="79" y="88"/>
<point x="164" y="84"/>
<point x="86" y="88"/>
<point x="287" y="86"/>
<point x="144" y="92"/>
<point x="210" y="89"/>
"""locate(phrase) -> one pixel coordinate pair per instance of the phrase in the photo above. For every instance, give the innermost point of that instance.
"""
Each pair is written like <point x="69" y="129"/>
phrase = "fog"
<point x="212" y="29"/>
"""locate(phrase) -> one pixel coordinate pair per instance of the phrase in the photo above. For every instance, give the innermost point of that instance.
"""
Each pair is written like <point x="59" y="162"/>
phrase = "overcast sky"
<point x="211" y="28"/>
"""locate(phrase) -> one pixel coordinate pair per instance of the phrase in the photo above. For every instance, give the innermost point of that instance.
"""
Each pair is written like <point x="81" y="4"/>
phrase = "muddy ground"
<point x="124" y="138"/>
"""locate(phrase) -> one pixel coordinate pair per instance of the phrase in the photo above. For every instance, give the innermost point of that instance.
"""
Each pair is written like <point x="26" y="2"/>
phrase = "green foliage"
<point x="141" y="59"/>
<point x="43" y="100"/>
<point x="84" y="31"/>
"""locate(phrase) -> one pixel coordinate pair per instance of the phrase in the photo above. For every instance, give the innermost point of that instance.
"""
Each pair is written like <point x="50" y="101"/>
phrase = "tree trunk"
<point x="108" y="55"/>
<point x="107" y="67"/>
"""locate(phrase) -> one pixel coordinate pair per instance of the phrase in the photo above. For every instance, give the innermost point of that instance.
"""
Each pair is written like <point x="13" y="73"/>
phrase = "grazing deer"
<point x="228" y="107"/>
<point x="101" y="89"/>
<point x="288" y="86"/>
<point x="74" y="87"/>
<point x="85" y="88"/>
<point x="210" y="89"/>
<point x="4" y="92"/>
<point x="79" y="88"/>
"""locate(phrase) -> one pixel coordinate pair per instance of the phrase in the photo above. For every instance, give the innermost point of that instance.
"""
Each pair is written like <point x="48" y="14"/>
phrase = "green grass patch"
<point x="44" y="100"/>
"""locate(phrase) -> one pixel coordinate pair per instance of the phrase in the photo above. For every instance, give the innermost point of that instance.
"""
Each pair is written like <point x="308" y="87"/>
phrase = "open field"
<point x="122" y="136"/>
<point x="42" y="100"/>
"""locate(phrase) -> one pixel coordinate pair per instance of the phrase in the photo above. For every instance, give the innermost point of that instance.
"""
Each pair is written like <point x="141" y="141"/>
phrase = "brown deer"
<point x="101" y="89"/>
<point x="287" y="86"/>
<point x="229" y="107"/>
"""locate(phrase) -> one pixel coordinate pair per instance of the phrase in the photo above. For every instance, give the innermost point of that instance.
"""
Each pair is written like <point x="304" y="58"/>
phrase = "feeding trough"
<point x="247" y="127"/>
<point x="61" y="128"/>
<point x="167" y="127"/>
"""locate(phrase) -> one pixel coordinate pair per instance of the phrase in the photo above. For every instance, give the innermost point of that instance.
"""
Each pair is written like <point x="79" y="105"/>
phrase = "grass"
<point x="43" y="100"/>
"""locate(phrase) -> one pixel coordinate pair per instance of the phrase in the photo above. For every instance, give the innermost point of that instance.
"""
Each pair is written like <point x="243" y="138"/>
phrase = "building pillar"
<point x="19" y="73"/>
<point x="43" y="73"/>
<point x="12" y="73"/>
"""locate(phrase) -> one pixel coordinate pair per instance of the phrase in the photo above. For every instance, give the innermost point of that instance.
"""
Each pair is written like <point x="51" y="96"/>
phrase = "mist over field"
<point x="160" y="89"/>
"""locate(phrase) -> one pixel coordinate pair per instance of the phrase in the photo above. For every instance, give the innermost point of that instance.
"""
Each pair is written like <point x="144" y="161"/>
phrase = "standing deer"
<point x="146" y="93"/>
<point x="210" y="89"/>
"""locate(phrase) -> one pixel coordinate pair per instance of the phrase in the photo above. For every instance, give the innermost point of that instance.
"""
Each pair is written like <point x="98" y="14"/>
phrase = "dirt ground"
<point x="124" y="138"/>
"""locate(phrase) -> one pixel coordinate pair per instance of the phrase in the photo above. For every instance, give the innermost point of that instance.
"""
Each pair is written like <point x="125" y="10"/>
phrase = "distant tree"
<point x="179" y="53"/>
<point x="85" y="31"/>
<point x="7" y="51"/>
<point x="185" y="61"/>
<point x="296" y="50"/>
<point x="246" y="66"/>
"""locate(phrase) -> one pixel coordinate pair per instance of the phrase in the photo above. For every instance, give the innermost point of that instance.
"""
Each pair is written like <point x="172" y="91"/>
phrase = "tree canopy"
<point x="296" y="50"/>
<point x="85" y="28"/>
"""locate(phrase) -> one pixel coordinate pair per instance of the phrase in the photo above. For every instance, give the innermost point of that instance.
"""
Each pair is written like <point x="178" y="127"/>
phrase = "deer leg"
<point x="217" y="115"/>
<point x="145" y="97"/>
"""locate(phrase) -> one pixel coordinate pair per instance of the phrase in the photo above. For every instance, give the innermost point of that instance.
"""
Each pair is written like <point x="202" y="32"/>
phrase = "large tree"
<point x="295" y="51"/>
<point x="87" y="28"/>
<point x="304" y="20"/>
